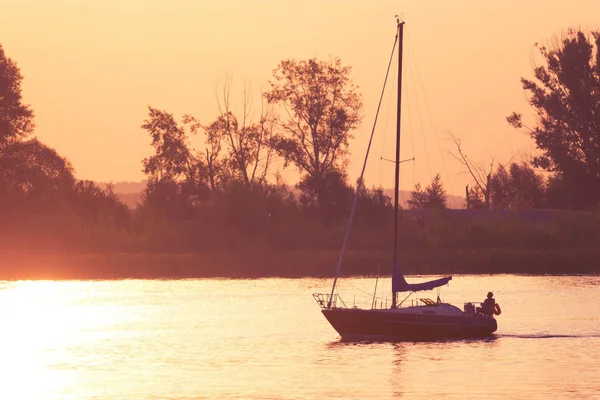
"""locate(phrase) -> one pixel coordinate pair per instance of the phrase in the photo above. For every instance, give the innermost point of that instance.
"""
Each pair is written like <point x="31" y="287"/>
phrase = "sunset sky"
<point x="92" y="67"/>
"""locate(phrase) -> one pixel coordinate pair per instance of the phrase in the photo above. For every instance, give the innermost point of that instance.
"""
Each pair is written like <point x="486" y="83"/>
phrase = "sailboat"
<point x="425" y="320"/>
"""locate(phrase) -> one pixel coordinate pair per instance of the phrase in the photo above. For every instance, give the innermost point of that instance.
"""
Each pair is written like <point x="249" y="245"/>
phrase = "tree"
<point x="16" y="118"/>
<point x="517" y="188"/>
<point x="97" y="205"/>
<point x="375" y="206"/>
<point x="235" y="152"/>
<point x="175" y="162"/>
<point x="433" y="197"/>
<point x="500" y="187"/>
<point x="322" y="107"/>
<point x="527" y="187"/>
<point x="235" y="149"/>
<point x="328" y="196"/>
<point x="558" y="195"/>
<point x="33" y="174"/>
<point x="480" y="176"/>
<point x="172" y="158"/>
<point x="248" y="142"/>
<point x="213" y="163"/>
<point x="177" y="177"/>
<point x="474" y="198"/>
<point x="34" y="178"/>
<point x="21" y="162"/>
<point x="165" y="198"/>
<point x="565" y="96"/>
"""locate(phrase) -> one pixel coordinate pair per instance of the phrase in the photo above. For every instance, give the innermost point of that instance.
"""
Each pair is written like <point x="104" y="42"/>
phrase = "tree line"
<point x="227" y="193"/>
<point x="564" y="95"/>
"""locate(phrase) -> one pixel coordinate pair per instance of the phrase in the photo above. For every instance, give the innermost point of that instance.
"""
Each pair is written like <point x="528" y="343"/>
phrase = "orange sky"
<point x="92" y="67"/>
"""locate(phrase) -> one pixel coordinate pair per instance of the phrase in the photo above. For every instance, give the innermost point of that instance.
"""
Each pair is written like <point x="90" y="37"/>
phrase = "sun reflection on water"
<point x="43" y="324"/>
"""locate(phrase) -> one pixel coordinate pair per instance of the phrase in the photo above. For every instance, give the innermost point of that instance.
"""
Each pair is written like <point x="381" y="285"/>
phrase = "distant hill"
<point x="130" y="193"/>
<point x="126" y="187"/>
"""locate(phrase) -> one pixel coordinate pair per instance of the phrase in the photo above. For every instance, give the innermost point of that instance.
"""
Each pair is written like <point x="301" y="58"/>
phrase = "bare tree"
<point x="212" y="162"/>
<point x="481" y="176"/>
<point x="248" y="142"/>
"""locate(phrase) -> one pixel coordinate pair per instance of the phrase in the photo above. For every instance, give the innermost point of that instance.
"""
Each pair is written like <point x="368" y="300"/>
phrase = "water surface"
<point x="266" y="339"/>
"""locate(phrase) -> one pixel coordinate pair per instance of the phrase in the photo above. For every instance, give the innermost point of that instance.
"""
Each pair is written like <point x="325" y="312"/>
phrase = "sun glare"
<point x="44" y="323"/>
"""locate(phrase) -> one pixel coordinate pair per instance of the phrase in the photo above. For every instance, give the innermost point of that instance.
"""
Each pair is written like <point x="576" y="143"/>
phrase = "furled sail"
<point x="399" y="284"/>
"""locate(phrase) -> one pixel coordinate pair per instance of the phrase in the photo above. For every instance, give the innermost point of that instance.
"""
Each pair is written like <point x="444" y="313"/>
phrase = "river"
<point x="267" y="339"/>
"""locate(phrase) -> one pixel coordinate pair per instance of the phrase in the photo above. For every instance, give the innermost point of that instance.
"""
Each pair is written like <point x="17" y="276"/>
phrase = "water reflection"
<point x="368" y="340"/>
<point x="396" y="378"/>
<point x="415" y="368"/>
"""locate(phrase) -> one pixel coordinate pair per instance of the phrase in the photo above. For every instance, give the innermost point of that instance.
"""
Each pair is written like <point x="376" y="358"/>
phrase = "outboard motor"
<point x="469" y="309"/>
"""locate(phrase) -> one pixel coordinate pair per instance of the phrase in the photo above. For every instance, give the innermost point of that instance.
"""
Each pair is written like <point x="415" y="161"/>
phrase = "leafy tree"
<point x="16" y="118"/>
<point x="375" y="206"/>
<point x="527" y="187"/>
<point x="177" y="176"/>
<point x="322" y="107"/>
<point x="32" y="173"/>
<point x="327" y="196"/>
<point x="173" y="160"/>
<point x="500" y="185"/>
<point x="433" y="197"/>
<point x="172" y="168"/>
<point x="558" y="194"/>
<point x="565" y="96"/>
<point x="474" y="198"/>
<point x="517" y="188"/>
<point x="167" y="199"/>
<point x="28" y="169"/>
<point x="92" y="204"/>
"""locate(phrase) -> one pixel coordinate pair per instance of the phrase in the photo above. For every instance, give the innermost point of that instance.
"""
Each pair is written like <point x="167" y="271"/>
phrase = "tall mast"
<point x="397" y="180"/>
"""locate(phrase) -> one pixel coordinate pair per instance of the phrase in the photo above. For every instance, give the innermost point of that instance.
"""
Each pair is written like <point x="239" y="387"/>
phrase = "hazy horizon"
<point x="95" y="67"/>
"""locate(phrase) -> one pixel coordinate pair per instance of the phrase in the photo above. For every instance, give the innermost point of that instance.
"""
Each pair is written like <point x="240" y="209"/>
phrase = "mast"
<point x="356" y="192"/>
<point x="397" y="180"/>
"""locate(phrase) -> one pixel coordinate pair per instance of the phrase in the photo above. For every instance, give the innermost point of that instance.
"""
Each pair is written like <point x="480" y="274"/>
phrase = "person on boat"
<point x="488" y="305"/>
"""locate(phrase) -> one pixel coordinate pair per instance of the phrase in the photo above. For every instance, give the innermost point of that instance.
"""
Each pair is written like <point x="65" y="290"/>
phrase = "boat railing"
<point x="325" y="301"/>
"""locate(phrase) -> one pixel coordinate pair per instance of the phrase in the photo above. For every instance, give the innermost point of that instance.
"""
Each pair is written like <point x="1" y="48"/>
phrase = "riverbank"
<point x="295" y="264"/>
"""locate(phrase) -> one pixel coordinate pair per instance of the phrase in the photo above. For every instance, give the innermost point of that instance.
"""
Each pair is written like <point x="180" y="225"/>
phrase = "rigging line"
<point x="360" y="180"/>
<point x="412" y="76"/>
<point x="431" y="118"/>
<point x="385" y="128"/>
<point x="361" y="290"/>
